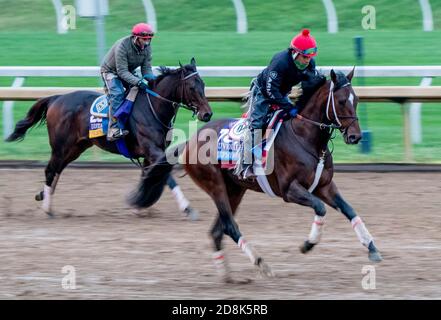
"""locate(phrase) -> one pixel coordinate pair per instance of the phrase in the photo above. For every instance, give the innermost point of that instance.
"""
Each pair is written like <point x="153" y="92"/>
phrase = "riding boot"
<point x="114" y="131"/>
<point x="246" y="166"/>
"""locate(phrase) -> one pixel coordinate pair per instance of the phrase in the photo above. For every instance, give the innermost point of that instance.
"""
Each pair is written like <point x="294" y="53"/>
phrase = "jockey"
<point x="272" y="86"/>
<point x="117" y="70"/>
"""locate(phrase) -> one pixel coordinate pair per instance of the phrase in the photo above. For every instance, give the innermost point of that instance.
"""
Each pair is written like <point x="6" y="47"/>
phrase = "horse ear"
<point x="333" y="76"/>
<point x="193" y="62"/>
<point x="180" y="64"/>
<point x="351" y="74"/>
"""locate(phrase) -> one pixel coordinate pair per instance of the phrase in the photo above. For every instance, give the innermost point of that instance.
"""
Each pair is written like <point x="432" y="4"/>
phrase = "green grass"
<point x="207" y="15"/>
<point x="28" y="37"/>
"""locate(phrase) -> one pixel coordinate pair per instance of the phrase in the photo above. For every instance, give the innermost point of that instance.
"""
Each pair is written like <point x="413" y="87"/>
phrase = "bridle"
<point x="188" y="107"/>
<point x="330" y="127"/>
<point x="330" y="105"/>
<point x="175" y="104"/>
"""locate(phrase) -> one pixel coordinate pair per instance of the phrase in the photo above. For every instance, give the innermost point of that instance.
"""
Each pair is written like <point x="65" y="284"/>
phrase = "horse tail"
<point x="37" y="113"/>
<point x="153" y="180"/>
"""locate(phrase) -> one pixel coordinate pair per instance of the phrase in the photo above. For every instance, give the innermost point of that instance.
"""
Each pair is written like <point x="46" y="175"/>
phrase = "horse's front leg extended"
<point x="330" y="195"/>
<point x="298" y="194"/>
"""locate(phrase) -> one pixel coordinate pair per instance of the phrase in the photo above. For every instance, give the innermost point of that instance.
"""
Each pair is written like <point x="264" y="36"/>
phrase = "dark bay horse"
<point x="301" y="142"/>
<point x="67" y="117"/>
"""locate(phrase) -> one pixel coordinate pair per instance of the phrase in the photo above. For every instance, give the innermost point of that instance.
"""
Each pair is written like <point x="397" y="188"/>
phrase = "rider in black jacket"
<point x="272" y="87"/>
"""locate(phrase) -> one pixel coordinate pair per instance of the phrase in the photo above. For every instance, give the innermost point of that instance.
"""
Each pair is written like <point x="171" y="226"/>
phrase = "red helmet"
<point x="304" y="44"/>
<point x="143" y="30"/>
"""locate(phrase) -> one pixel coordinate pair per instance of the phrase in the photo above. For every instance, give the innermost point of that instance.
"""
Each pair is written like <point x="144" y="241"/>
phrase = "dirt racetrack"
<point x="164" y="255"/>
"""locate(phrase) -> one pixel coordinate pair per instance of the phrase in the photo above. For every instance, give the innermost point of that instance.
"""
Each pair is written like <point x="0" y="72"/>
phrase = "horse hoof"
<point x="265" y="270"/>
<point x="230" y="280"/>
<point x="192" y="213"/>
<point x="50" y="214"/>
<point x="139" y="213"/>
<point x="39" y="196"/>
<point x="306" y="247"/>
<point x="375" y="256"/>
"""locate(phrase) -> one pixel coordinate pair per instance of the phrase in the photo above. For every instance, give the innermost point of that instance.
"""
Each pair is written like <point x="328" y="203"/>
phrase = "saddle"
<point x="230" y="140"/>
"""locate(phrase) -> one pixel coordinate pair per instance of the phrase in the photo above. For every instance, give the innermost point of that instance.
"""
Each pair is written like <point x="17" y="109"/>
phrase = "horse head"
<point x="187" y="88"/>
<point x="194" y="91"/>
<point x="341" y="106"/>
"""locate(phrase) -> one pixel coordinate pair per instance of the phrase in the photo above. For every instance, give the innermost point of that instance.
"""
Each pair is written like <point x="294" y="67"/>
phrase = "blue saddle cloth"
<point x="99" y="120"/>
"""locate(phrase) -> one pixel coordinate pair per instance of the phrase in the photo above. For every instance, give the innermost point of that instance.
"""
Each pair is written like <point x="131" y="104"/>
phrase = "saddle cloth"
<point x="99" y="118"/>
<point x="99" y="113"/>
<point x="230" y="140"/>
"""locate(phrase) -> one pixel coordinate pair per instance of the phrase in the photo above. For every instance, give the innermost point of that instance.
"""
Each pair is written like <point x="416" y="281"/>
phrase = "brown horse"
<point x="301" y="142"/>
<point x="152" y="116"/>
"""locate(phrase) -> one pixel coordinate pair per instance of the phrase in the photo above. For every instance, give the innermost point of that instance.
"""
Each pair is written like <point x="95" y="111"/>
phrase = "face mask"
<point x="299" y="65"/>
<point x="142" y="46"/>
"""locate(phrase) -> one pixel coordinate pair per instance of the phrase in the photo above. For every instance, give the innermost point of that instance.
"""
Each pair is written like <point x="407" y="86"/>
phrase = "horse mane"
<point x="309" y="88"/>
<point x="165" y="71"/>
<point x="342" y="80"/>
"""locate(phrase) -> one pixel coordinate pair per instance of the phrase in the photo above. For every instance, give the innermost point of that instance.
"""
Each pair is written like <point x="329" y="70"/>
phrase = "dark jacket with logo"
<point x="124" y="57"/>
<point x="277" y="80"/>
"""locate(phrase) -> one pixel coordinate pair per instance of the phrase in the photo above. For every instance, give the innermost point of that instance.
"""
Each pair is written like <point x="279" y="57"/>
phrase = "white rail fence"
<point x="226" y="71"/>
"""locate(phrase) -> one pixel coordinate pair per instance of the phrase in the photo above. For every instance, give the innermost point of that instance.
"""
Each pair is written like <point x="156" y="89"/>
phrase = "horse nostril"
<point x="207" y="116"/>
<point x="354" y="138"/>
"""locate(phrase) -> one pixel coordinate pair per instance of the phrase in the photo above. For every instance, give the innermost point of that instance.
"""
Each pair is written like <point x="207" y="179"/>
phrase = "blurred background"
<point x="235" y="33"/>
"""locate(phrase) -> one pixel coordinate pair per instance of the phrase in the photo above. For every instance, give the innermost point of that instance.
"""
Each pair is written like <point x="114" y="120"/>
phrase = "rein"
<point x="331" y="127"/>
<point x="337" y="118"/>
<point x="173" y="103"/>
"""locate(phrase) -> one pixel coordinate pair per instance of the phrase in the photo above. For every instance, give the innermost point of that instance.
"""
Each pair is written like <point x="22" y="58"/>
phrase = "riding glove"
<point x="293" y="112"/>
<point x="142" y="84"/>
<point x="150" y="77"/>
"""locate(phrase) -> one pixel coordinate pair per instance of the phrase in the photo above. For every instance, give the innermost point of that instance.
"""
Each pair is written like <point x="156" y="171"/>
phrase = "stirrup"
<point x="247" y="173"/>
<point x="116" y="134"/>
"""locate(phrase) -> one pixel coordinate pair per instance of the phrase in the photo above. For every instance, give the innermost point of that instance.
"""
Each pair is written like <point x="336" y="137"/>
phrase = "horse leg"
<point x="298" y="194"/>
<point x="225" y="224"/>
<point x="330" y="195"/>
<point x="183" y="203"/>
<point x="56" y="165"/>
<point x="52" y="173"/>
<point x="226" y="199"/>
<point x="235" y="196"/>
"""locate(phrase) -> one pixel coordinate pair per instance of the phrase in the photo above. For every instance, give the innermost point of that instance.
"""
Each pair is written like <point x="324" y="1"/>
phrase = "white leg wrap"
<point x="47" y="201"/>
<point x="247" y="249"/>
<point x="183" y="203"/>
<point x="220" y="262"/>
<point x="316" y="229"/>
<point x="362" y="233"/>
